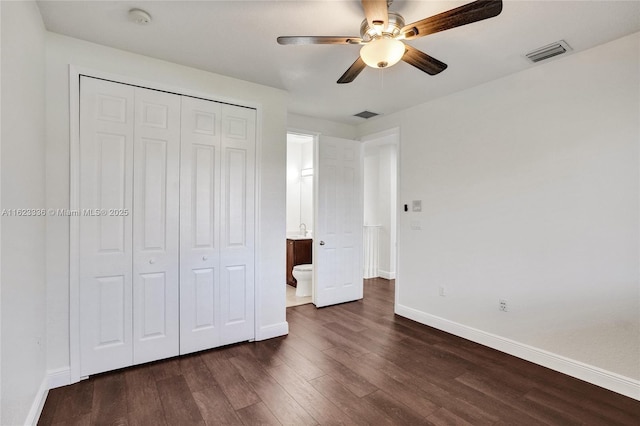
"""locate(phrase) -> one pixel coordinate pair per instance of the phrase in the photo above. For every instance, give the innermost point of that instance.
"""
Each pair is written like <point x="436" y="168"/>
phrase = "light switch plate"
<point x="416" y="205"/>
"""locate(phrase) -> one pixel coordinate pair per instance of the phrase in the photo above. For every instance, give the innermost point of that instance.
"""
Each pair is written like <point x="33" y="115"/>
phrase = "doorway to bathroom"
<point x="334" y="187"/>
<point x="330" y="181"/>
<point x="300" y="217"/>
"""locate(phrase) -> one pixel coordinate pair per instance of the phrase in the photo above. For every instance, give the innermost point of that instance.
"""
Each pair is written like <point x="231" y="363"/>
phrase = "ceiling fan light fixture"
<point x="382" y="52"/>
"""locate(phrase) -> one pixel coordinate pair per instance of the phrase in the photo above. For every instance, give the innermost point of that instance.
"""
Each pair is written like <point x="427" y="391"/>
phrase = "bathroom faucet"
<point x="303" y="229"/>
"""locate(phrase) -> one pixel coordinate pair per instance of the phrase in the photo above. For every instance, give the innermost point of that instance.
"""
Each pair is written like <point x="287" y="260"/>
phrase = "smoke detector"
<point x="139" y="16"/>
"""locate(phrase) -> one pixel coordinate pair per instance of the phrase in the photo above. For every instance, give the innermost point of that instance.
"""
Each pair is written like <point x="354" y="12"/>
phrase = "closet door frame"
<point x="75" y="73"/>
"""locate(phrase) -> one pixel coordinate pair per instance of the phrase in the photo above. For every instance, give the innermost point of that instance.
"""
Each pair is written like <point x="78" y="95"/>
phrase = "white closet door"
<point x="200" y="313"/>
<point x="167" y="244"/>
<point x="237" y="219"/>
<point x="155" y="225"/>
<point x="106" y="155"/>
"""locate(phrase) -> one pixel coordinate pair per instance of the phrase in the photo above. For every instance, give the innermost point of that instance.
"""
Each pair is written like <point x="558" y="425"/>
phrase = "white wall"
<point x="0" y="219"/>
<point x="530" y="192"/>
<point x="312" y="125"/>
<point x="387" y="209"/>
<point x="371" y="185"/>
<point x="306" y="185"/>
<point x="380" y="195"/>
<point x="62" y="51"/>
<point x="294" y="158"/>
<point x="23" y="238"/>
<point x="299" y="187"/>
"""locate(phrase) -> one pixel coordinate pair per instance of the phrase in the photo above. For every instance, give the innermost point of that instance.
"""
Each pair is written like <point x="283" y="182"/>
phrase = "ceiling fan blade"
<point x="422" y="61"/>
<point x="463" y="15"/>
<point x="318" y="40"/>
<point x="376" y="12"/>
<point x="353" y="71"/>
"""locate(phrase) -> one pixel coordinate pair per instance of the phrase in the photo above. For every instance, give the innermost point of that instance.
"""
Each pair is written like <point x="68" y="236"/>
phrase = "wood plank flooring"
<point x="355" y="363"/>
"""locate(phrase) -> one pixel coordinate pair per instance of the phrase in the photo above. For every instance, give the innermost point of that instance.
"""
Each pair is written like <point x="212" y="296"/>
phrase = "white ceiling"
<point x="238" y="39"/>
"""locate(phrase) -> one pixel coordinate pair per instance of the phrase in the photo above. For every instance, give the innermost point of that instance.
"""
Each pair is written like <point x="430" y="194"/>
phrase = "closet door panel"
<point x="167" y="188"/>
<point x="237" y="215"/>
<point x="153" y="288"/>
<point x="155" y="225"/>
<point x="200" y="301"/>
<point x="106" y="155"/>
<point x="204" y="299"/>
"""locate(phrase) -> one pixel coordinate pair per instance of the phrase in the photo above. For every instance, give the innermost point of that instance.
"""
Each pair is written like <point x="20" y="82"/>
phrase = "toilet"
<point x="304" y="276"/>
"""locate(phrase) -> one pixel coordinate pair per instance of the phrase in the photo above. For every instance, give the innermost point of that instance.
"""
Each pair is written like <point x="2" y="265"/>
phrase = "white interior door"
<point x="166" y="236"/>
<point x="217" y="225"/>
<point x="339" y="219"/>
<point x="155" y="225"/>
<point x="237" y="215"/>
<point x="105" y="246"/>
<point x="200" y="314"/>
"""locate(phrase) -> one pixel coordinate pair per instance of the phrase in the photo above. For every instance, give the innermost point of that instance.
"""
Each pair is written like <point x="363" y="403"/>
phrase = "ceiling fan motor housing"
<point x="396" y="22"/>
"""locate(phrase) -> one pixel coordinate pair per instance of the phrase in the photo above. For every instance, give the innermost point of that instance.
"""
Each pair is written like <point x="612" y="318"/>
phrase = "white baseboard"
<point x="273" y="330"/>
<point x="386" y="274"/>
<point x="53" y="379"/>
<point x="38" y="403"/>
<point x="597" y="376"/>
<point x="59" y="377"/>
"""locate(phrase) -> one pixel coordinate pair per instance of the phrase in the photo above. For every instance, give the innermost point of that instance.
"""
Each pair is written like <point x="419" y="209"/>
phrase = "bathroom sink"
<point x="298" y="237"/>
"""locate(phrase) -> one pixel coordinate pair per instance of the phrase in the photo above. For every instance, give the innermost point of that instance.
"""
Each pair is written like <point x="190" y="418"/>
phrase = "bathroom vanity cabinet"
<point x="299" y="252"/>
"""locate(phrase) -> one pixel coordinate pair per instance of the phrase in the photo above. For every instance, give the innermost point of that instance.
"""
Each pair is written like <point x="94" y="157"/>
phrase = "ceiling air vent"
<point x="366" y="114"/>
<point x="549" y="51"/>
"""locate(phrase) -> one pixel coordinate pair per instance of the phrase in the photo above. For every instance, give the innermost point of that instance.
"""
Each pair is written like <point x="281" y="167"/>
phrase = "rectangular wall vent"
<point x="548" y="51"/>
<point x="366" y="114"/>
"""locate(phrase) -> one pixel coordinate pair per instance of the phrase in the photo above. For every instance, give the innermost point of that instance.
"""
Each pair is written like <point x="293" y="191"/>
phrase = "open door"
<point x="339" y="220"/>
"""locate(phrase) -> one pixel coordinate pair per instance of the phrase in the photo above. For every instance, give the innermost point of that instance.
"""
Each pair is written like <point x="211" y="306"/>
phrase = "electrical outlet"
<point x="442" y="291"/>
<point x="503" y="305"/>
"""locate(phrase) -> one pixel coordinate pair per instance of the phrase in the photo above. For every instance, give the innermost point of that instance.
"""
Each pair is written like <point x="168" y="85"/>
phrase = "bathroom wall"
<point x="306" y="184"/>
<point x="299" y="187"/>
<point x="294" y="150"/>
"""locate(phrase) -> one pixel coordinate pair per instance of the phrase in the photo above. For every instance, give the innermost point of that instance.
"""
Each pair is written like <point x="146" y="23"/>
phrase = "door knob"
<point x="321" y="243"/>
<point x="152" y="261"/>
<point x="204" y="257"/>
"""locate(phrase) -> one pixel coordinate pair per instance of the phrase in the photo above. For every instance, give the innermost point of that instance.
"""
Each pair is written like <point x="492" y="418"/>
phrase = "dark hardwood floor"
<point x="355" y="363"/>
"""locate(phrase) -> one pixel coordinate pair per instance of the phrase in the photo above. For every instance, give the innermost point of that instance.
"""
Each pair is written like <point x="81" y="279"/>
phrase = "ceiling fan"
<point x="382" y="34"/>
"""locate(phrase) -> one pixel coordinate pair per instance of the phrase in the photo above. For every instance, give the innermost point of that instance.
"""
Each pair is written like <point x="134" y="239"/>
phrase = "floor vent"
<point x="548" y="51"/>
<point x="366" y="114"/>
